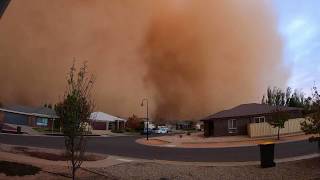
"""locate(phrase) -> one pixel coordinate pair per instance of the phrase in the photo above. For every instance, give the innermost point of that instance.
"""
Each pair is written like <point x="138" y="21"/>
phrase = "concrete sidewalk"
<point x="108" y="133"/>
<point x="197" y="140"/>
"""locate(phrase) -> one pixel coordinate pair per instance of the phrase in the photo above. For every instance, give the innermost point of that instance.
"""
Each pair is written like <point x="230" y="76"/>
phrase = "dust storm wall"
<point x="190" y="58"/>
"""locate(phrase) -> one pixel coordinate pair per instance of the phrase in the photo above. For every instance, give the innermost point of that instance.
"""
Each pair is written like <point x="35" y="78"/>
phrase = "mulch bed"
<point x="52" y="156"/>
<point x="17" y="169"/>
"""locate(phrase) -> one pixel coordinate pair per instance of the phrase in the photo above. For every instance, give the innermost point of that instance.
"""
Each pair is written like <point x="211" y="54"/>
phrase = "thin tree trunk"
<point x="73" y="173"/>
<point x="278" y="133"/>
<point x="72" y="159"/>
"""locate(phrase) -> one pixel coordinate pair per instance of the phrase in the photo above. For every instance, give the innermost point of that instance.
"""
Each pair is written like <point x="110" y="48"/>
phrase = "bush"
<point x="133" y="122"/>
<point x="131" y="130"/>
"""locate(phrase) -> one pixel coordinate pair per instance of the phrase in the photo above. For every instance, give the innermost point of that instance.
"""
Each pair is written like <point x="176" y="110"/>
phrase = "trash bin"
<point x="18" y="130"/>
<point x="267" y="154"/>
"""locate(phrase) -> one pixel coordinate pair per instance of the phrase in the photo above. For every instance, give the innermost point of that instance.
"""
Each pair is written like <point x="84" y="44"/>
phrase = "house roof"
<point x="32" y="111"/>
<point x="101" y="116"/>
<point x="248" y="110"/>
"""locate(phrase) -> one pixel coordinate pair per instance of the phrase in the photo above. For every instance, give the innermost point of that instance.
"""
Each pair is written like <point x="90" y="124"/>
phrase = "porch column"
<point x="117" y="124"/>
<point x="52" y="124"/>
<point x="107" y="125"/>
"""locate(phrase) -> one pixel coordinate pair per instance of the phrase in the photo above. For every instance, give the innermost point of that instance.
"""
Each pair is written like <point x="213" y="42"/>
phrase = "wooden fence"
<point x="265" y="129"/>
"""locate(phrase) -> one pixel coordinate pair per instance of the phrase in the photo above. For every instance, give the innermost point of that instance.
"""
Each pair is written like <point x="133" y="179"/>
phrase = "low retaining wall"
<point x="265" y="129"/>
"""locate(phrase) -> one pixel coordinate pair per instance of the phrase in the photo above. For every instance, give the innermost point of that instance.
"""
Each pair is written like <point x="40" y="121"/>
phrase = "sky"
<point x="298" y="24"/>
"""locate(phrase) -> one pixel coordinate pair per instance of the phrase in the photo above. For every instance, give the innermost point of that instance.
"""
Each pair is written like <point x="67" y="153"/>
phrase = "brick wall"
<point x="32" y="121"/>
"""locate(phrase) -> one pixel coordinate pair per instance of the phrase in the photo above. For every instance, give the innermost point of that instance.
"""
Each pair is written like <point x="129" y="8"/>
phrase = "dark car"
<point x="144" y="132"/>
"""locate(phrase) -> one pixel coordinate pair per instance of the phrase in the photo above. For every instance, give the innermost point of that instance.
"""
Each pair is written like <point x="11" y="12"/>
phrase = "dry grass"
<point x="155" y="142"/>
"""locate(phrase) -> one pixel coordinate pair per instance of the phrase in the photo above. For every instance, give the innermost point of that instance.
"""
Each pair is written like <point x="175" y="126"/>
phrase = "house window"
<point x="232" y="126"/>
<point x="260" y="119"/>
<point x="42" y="122"/>
<point x="111" y="126"/>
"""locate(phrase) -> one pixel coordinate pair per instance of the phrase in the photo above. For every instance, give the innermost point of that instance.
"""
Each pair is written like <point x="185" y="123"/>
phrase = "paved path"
<point x="126" y="146"/>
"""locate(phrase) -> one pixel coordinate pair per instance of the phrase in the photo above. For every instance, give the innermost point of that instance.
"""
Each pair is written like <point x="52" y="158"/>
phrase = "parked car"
<point x="146" y="132"/>
<point x="161" y="130"/>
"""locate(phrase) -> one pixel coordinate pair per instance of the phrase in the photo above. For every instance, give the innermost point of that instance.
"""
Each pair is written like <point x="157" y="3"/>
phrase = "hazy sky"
<point x="299" y="25"/>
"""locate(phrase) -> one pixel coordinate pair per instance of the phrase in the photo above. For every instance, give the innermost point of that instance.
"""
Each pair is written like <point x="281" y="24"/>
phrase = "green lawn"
<point x="45" y="130"/>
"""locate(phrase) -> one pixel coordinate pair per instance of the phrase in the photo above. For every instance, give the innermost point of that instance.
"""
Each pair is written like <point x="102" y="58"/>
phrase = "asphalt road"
<point x="126" y="146"/>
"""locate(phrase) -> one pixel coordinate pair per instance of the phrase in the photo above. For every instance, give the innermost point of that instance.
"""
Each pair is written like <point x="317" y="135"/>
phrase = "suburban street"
<point x="127" y="147"/>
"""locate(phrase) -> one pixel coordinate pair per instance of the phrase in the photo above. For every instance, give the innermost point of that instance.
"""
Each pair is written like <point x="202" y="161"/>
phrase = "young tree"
<point x="278" y="97"/>
<point x="297" y="99"/>
<point x="274" y="97"/>
<point x="312" y="125"/>
<point x="74" y="111"/>
<point x="278" y="119"/>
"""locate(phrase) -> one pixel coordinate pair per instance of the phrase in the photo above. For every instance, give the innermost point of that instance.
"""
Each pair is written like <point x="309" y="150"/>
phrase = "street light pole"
<point x="145" y="99"/>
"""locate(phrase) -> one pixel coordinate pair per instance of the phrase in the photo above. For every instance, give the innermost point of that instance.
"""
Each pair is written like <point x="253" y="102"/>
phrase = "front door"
<point x="211" y="128"/>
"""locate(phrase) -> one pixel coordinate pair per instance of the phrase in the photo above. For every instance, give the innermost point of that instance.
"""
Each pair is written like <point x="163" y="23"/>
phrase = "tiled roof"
<point x="39" y="111"/>
<point x="247" y="110"/>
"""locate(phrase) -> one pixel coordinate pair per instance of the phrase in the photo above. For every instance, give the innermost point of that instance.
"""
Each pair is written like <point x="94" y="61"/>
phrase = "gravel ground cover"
<point x="53" y="173"/>
<point x="304" y="169"/>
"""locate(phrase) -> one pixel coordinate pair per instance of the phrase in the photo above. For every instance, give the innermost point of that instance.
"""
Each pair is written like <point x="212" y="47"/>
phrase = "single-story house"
<point x="30" y="116"/>
<point x="103" y="121"/>
<point x="235" y="121"/>
<point x="185" y="125"/>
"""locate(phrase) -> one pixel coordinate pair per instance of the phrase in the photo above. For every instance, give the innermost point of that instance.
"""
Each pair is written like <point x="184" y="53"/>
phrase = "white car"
<point x="161" y="130"/>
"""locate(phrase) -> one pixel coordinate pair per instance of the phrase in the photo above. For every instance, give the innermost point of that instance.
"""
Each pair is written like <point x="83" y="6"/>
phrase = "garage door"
<point x="99" y="125"/>
<point x="12" y="118"/>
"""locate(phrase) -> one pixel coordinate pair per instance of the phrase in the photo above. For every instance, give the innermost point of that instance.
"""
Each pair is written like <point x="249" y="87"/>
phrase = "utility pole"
<point x="145" y="99"/>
